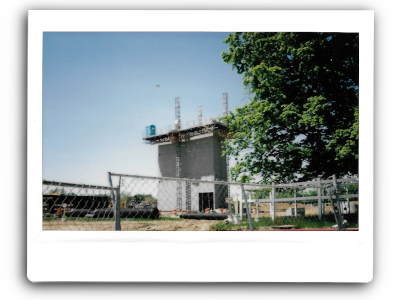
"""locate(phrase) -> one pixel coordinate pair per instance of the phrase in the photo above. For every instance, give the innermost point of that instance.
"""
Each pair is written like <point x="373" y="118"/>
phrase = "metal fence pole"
<point x="112" y="192"/>
<point x="247" y="209"/>
<point x="116" y="203"/>
<point x="337" y="200"/>
<point x="272" y="204"/>
<point x="241" y="209"/>
<point x="295" y="204"/>
<point x="319" y="198"/>
<point x="117" y="210"/>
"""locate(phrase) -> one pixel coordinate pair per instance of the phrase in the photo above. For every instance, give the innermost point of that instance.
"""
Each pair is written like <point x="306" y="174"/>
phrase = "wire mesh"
<point x="171" y="205"/>
<point x="142" y="203"/>
<point x="199" y="205"/>
<point x="77" y="207"/>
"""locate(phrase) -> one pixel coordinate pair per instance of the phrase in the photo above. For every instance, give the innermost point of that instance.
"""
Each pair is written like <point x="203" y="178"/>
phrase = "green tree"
<point x="303" y="115"/>
<point x="261" y="193"/>
<point x="142" y="197"/>
<point x="308" y="194"/>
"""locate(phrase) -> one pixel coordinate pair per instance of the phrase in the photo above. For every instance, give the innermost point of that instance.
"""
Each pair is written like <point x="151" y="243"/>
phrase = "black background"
<point x="14" y="26"/>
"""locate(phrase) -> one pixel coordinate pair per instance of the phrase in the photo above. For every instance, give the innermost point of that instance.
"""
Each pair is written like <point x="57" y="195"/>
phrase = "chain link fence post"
<point x="116" y="201"/>
<point x="112" y="192"/>
<point x="247" y="209"/>
<point x="117" y="212"/>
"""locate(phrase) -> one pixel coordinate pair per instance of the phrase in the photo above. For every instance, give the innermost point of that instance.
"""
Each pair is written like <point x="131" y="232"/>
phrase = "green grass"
<point x="298" y="222"/>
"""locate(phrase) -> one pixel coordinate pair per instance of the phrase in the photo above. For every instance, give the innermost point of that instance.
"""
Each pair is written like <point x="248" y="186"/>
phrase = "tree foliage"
<point x="137" y="198"/>
<point x="281" y="193"/>
<point x="142" y="197"/>
<point x="302" y="120"/>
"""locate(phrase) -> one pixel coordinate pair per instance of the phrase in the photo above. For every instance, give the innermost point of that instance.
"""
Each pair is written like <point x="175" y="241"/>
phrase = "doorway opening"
<point x="206" y="200"/>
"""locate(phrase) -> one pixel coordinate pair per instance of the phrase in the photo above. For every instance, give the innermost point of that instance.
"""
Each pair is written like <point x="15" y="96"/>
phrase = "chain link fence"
<point x="70" y="206"/>
<point x="187" y="204"/>
<point x="143" y="203"/>
<point x="309" y="205"/>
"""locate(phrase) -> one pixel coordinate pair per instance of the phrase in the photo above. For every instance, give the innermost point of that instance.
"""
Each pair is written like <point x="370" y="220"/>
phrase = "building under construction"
<point x="194" y="152"/>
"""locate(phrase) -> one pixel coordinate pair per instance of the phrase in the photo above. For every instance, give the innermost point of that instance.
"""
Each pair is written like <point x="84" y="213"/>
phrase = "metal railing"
<point x="184" y="125"/>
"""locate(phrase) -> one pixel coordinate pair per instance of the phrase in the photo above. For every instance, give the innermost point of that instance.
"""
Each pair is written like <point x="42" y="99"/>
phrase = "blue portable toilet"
<point x="150" y="130"/>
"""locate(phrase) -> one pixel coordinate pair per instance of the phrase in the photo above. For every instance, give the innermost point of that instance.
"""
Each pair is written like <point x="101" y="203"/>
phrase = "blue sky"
<point x="99" y="93"/>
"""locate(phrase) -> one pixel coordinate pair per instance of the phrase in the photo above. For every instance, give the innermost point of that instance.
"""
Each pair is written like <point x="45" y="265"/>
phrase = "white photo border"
<point x="173" y="256"/>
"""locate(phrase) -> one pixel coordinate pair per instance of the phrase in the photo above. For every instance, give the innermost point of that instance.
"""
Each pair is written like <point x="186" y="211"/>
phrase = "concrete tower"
<point x="192" y="153"/>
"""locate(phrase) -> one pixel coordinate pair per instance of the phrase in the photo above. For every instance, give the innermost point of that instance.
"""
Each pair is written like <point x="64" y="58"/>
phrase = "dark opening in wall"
<point x="206" y="200"/>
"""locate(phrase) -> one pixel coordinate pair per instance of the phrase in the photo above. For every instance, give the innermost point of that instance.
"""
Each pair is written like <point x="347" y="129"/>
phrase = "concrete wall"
<point x="201" y="158"/>
<point x="167" y="198"/>
<point x="221" y="191"/>
<point x="166" y="160"/>
<point x="219" y="160"/>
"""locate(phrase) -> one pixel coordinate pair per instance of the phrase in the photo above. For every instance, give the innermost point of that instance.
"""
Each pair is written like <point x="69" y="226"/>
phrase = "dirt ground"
<point x="181" y="225"/>
<point x="280" y="209"/>
<point x="169" y="225"/>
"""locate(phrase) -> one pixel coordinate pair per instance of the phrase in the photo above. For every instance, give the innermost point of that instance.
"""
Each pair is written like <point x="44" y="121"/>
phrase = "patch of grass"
<point x="221" y="226"/>
<point x="309" y="222"/>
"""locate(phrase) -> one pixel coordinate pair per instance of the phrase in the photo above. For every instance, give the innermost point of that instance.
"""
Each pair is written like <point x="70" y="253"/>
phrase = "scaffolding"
<point x="178" y="175"/>
<point x="177" y="113"/>
<point x="178" y="154"/>
<point x="180" y="133"/>
<point x="188" y="196"/>
<point x="185" y="134"/>
<point x="199" y="115"/>
<point x="225" y="104"/>
<point x="225" y="113"/>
